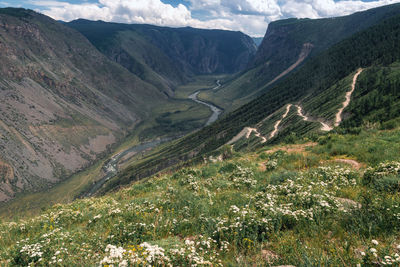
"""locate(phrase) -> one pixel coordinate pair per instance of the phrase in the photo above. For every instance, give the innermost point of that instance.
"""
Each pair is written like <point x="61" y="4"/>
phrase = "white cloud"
<point x="328" y="8"/>
<point x="255" y="7"/>
<point x="299" y="9"/>
<point x="249" y="16"/>
<point x="127" y="11"/>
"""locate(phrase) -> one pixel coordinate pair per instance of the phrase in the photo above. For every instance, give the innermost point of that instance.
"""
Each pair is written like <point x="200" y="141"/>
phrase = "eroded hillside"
<point x="63" y="102"/>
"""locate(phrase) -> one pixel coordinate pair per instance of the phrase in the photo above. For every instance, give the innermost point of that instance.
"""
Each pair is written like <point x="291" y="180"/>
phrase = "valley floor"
<point x="331" y="201"/>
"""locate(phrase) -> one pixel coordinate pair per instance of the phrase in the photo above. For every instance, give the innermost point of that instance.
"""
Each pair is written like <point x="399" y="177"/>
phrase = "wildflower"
<point x="375" y="242"/>
<point x="97" y="217"/>
<point x="373" y="250"/>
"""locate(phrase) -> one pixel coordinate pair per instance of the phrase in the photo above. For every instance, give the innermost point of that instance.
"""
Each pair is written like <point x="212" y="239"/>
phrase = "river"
<point x="215" y="110"/>
<point x="110" y="167"/>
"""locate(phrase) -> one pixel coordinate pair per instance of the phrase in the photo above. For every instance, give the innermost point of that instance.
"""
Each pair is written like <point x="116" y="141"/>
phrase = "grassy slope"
<point x="258" y="208"/>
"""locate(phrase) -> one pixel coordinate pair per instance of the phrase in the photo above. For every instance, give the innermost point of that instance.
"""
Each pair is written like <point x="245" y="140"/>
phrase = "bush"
<point x="383" y="170"/>
<point x="389" y="183"/>
<point x="279" y="178"/>
<point x="379" y="214"/>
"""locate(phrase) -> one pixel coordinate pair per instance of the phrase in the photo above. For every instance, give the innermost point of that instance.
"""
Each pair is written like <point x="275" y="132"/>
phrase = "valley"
<point x="112" y="166"/>
<point x="142" y="145"/>
<point x="147" y="135"/>
<point x="67" y="103"/>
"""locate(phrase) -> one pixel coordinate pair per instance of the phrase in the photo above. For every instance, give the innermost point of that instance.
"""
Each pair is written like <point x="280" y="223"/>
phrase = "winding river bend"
<point x="110" y="167"/>
<point x="215" y="110"/>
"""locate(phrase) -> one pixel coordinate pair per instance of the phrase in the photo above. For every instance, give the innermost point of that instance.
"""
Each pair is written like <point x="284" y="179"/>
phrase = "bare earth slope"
<point x="62" y="102"/>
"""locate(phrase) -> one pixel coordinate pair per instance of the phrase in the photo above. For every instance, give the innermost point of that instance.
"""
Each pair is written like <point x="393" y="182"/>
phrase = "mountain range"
<point x="64" y="103"/>
<point x="73" y="91"/>
<point x="315" y="89"/>
<point x="139" y="145"/>
<point x="167" y="57"/>
<point x="287" y="45"/>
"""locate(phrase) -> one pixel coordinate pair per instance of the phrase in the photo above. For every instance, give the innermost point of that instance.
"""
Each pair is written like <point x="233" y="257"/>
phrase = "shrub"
<point x="389" y="183"/>
<point x="383" y="170"/>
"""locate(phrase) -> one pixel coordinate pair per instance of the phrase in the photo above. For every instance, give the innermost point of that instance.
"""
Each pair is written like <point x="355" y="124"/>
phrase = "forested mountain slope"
<point x="287" y="45"/>
<point x="166" y="56"/>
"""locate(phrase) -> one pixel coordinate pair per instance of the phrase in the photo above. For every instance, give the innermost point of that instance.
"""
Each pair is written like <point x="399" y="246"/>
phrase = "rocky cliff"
<point x="287" y="45"/>
<point x="284" y="39"/>
<point x="166" y="56"/>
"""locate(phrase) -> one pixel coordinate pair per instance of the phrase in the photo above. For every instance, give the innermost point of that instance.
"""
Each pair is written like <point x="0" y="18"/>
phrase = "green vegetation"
<point x="304" y="197"/>
<point x="331" y="71"/>
<point x="282" y="46"/>
<point x="294" y="204"/>
<point x="370" y="146"/>
<point x="377" y="98"/>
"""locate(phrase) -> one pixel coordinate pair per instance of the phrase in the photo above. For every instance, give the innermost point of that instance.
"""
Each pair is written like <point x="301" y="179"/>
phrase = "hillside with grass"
<point x="316" y="93"/>
<point x="287" y="45"/>
<point x="332" y="202"/>
<point x="168" y="57"/>
<point x="306" y="174"/>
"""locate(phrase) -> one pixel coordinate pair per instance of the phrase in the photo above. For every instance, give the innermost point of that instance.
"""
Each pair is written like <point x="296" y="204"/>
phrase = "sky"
<point x="249" y="16"/>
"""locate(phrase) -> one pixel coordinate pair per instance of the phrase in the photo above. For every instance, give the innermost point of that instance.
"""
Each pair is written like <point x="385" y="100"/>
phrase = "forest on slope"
<point x="287" y="45"/>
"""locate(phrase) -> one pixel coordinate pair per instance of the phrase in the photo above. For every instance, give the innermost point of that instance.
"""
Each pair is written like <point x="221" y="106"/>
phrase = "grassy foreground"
<point x="292" y="204"/>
